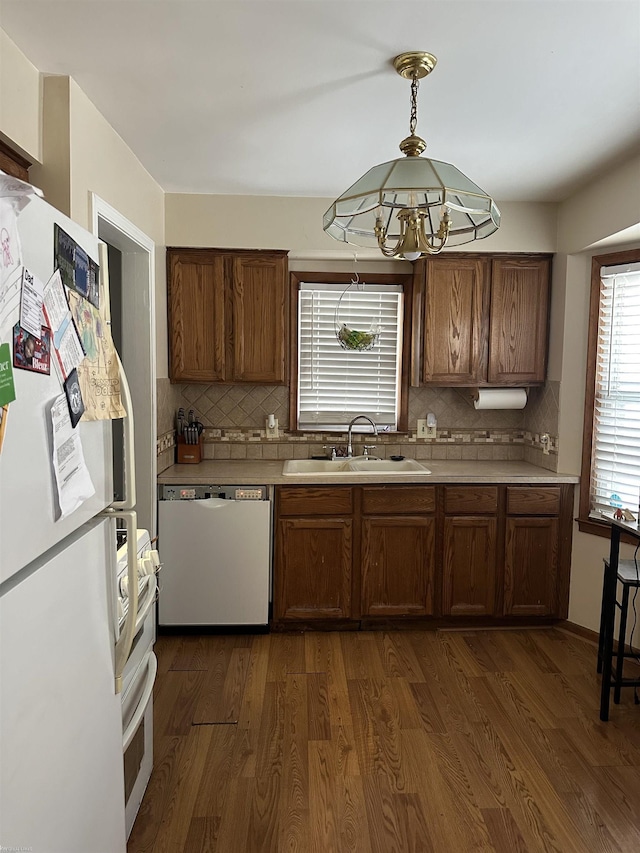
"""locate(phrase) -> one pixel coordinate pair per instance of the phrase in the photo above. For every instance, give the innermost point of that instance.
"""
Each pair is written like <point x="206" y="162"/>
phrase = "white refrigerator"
<point x="61" y="762"/>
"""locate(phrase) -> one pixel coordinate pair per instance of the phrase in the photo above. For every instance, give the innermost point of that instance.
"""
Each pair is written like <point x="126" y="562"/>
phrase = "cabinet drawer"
<point x="474" y="499"/>
<point x="533" y="500"/>
<point x="320" y="500"/>
<point x="394" y="500"/>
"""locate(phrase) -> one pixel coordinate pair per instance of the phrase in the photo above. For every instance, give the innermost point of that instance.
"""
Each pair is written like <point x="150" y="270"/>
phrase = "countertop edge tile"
<point x="244" y="472"/>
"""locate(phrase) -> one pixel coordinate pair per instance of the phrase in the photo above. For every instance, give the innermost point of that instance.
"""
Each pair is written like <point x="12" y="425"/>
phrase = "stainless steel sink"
<point x="365" y="465"/>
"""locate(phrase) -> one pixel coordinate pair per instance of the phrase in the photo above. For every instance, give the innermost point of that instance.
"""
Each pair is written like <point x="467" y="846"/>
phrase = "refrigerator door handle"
<point x="125" y="640"/>
<point x="129" y="501"/>
<point x="152" y="669"/>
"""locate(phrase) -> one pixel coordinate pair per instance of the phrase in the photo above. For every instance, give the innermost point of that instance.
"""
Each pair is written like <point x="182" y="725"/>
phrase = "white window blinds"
<point x="615" y="464"/>
<point x="335" y="384"/>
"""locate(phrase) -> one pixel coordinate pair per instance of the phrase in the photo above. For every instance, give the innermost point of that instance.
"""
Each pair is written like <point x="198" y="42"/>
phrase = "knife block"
<point x="188" y="454"/>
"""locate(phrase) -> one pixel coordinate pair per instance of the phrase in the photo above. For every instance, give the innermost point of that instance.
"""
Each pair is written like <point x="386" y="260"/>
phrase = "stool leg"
<point x="602" y="610"/>
<point x="622" y="636"/>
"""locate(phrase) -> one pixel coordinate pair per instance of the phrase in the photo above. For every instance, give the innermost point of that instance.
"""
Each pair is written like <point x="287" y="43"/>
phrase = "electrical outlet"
<point x="422" y="428"/>
<point x="272" y="431"/>
<point x="431" y="432"/>
<point x="545" y="441"/>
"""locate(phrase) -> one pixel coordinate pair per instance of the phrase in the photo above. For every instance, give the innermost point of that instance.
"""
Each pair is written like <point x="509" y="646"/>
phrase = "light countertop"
<point x="244" y="472"/>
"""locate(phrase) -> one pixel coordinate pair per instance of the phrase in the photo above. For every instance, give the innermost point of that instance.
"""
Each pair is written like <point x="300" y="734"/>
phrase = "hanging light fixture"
<point x="412" y="206"/>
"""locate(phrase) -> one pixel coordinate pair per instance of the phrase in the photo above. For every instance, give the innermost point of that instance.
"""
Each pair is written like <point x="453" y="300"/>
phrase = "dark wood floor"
<point x="388" y="742"/>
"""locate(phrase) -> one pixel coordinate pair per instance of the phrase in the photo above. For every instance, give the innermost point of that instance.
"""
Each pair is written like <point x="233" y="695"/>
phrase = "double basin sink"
<point x="353" y="467"/>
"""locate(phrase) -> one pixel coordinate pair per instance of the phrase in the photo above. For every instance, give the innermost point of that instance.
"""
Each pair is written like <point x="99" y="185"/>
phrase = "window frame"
<point x="586" y="524"/>
<point x="405" y="280"/>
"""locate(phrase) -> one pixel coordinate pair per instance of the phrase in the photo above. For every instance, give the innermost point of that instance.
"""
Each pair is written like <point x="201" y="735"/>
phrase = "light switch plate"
<point x="422" y="428"/>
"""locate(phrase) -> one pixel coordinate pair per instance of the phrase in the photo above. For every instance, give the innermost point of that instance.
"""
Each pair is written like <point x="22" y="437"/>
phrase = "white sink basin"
<point x="353" y="467"/>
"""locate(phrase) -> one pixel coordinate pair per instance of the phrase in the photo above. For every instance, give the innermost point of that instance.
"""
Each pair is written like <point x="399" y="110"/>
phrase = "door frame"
<point x="138" y="343"/>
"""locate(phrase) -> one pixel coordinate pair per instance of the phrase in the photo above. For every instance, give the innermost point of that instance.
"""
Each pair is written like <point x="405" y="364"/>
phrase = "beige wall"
<point x="604" y="207"/>
<point x="19" y="100"/>
<point x="267" y="222"/>
<point x="600" y="210"/>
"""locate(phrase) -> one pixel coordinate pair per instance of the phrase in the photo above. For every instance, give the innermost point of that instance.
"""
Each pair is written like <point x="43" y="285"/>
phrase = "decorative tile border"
<point x="503" y="444"/>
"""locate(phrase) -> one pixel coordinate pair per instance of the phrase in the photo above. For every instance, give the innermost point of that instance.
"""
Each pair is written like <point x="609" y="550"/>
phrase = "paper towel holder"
<point x="475" y="395"/>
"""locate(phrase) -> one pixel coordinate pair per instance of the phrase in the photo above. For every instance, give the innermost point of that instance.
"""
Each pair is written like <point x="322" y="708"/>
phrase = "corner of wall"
<point x="53" y="175"/>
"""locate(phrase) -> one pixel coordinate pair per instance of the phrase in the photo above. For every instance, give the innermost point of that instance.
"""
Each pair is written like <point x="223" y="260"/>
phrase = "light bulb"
<point x="411" y="256"/>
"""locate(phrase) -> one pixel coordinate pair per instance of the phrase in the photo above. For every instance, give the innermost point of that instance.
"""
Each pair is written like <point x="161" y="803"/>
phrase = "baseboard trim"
<point x="579" y="631"/>
<point x="589" y="635"/>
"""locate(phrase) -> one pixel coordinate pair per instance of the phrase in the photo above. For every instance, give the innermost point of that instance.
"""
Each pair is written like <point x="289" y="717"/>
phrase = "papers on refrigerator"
<point x="31" y="303"/>
<point x="66" y="343"/>
<point x="73" y="482"/>
<point x="10" y="250"/>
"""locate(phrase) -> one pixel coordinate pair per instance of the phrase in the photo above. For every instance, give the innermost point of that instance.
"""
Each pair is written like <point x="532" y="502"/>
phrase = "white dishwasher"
<point x="215" y="546"/>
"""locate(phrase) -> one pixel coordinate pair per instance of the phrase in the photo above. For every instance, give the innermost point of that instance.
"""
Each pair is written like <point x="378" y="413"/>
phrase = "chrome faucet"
<point x="353" y="421"/>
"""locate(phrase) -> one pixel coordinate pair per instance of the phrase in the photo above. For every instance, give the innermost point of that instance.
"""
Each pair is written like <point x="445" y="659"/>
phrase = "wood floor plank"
<point x="221" y="693"/>
<point x="178" y="808"/>
<point x="387" y="742"/>
<point x="504" y="831"/>
<point x="286" y="654"/>
<point x="336" y="804"/>
<point x="398" y="657"/>
<point x="323" y="654"/>
<point x="377" y="728"/>
<point x="318" y="705"/>
<point x="176" y="700"/>
<point x="361" y="655"/>
<point x="294" y="822"/>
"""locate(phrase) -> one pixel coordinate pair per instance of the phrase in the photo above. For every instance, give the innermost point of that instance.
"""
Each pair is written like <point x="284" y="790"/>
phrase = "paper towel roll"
<point x="500" y="398"/>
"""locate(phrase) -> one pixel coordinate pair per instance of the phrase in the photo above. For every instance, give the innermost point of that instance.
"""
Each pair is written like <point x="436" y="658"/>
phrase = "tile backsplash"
<point x="234" y="419"/>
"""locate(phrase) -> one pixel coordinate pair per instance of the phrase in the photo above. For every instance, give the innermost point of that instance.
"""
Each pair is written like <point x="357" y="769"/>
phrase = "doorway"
<point x="132" y="279"/>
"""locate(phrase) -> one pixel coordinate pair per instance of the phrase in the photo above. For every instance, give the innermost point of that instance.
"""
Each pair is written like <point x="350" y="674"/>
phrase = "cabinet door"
<point x="313" y="568"/>
<point x="398" y="556"/>
<point x="531" y="567"/>
<point x="469" y="566"/>
<point x="259" y="308"/>
<point x="196" y="289"/>
<point x="519" y="319"/>
<point x="456" y="321"/>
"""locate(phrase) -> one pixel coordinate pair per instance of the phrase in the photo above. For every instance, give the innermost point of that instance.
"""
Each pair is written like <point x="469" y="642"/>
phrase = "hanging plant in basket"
<point x="350" y="338"/>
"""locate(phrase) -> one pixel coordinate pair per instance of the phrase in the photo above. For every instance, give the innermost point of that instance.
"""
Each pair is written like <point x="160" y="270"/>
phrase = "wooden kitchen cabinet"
<point x="496" y="553"/>
<point x="313" y="553"/>
<point x="484" y="320"/>
<point x="518" y="333"/>
<point x="227" y="315"/>
<point x="470" y="565"/>
<point x="532" y="545"/>
<point x="397" y="551"/>
<point x="456" y="320"/>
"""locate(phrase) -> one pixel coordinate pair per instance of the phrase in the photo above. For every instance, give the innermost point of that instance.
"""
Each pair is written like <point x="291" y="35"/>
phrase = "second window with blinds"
<point x="335" y="383"/>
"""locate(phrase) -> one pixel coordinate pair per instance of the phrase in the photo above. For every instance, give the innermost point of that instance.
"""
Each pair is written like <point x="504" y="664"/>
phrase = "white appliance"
<point x="61" y="654"/>
<point x="139" y="674"/>
<point x="215" y="545"/>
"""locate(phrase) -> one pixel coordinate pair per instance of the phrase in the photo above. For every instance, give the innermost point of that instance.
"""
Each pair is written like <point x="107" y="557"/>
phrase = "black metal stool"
<point x="629" y="577"/>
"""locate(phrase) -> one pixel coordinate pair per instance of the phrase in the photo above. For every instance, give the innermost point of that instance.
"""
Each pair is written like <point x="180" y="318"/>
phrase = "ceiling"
<point x="530" y="98"/>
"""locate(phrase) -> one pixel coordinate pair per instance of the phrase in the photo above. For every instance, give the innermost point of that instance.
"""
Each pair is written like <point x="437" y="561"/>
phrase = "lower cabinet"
<point x="469" y="551"/>
<point x="398" y="562"/>
<point x="313" y="553"/>
<point x="532" y="543"/>
<point x="315" y="558"/>
<point x="449" y="552"/>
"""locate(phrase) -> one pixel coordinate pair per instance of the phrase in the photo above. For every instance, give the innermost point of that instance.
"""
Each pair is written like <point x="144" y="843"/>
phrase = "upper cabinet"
<point x="228" y="315"/>
<point x="519" y="320"/>
<point x="484" y="319"/>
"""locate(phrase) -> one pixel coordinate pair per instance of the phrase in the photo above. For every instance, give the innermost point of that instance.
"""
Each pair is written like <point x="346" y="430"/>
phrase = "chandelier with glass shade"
<point x="412" y="206"/>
